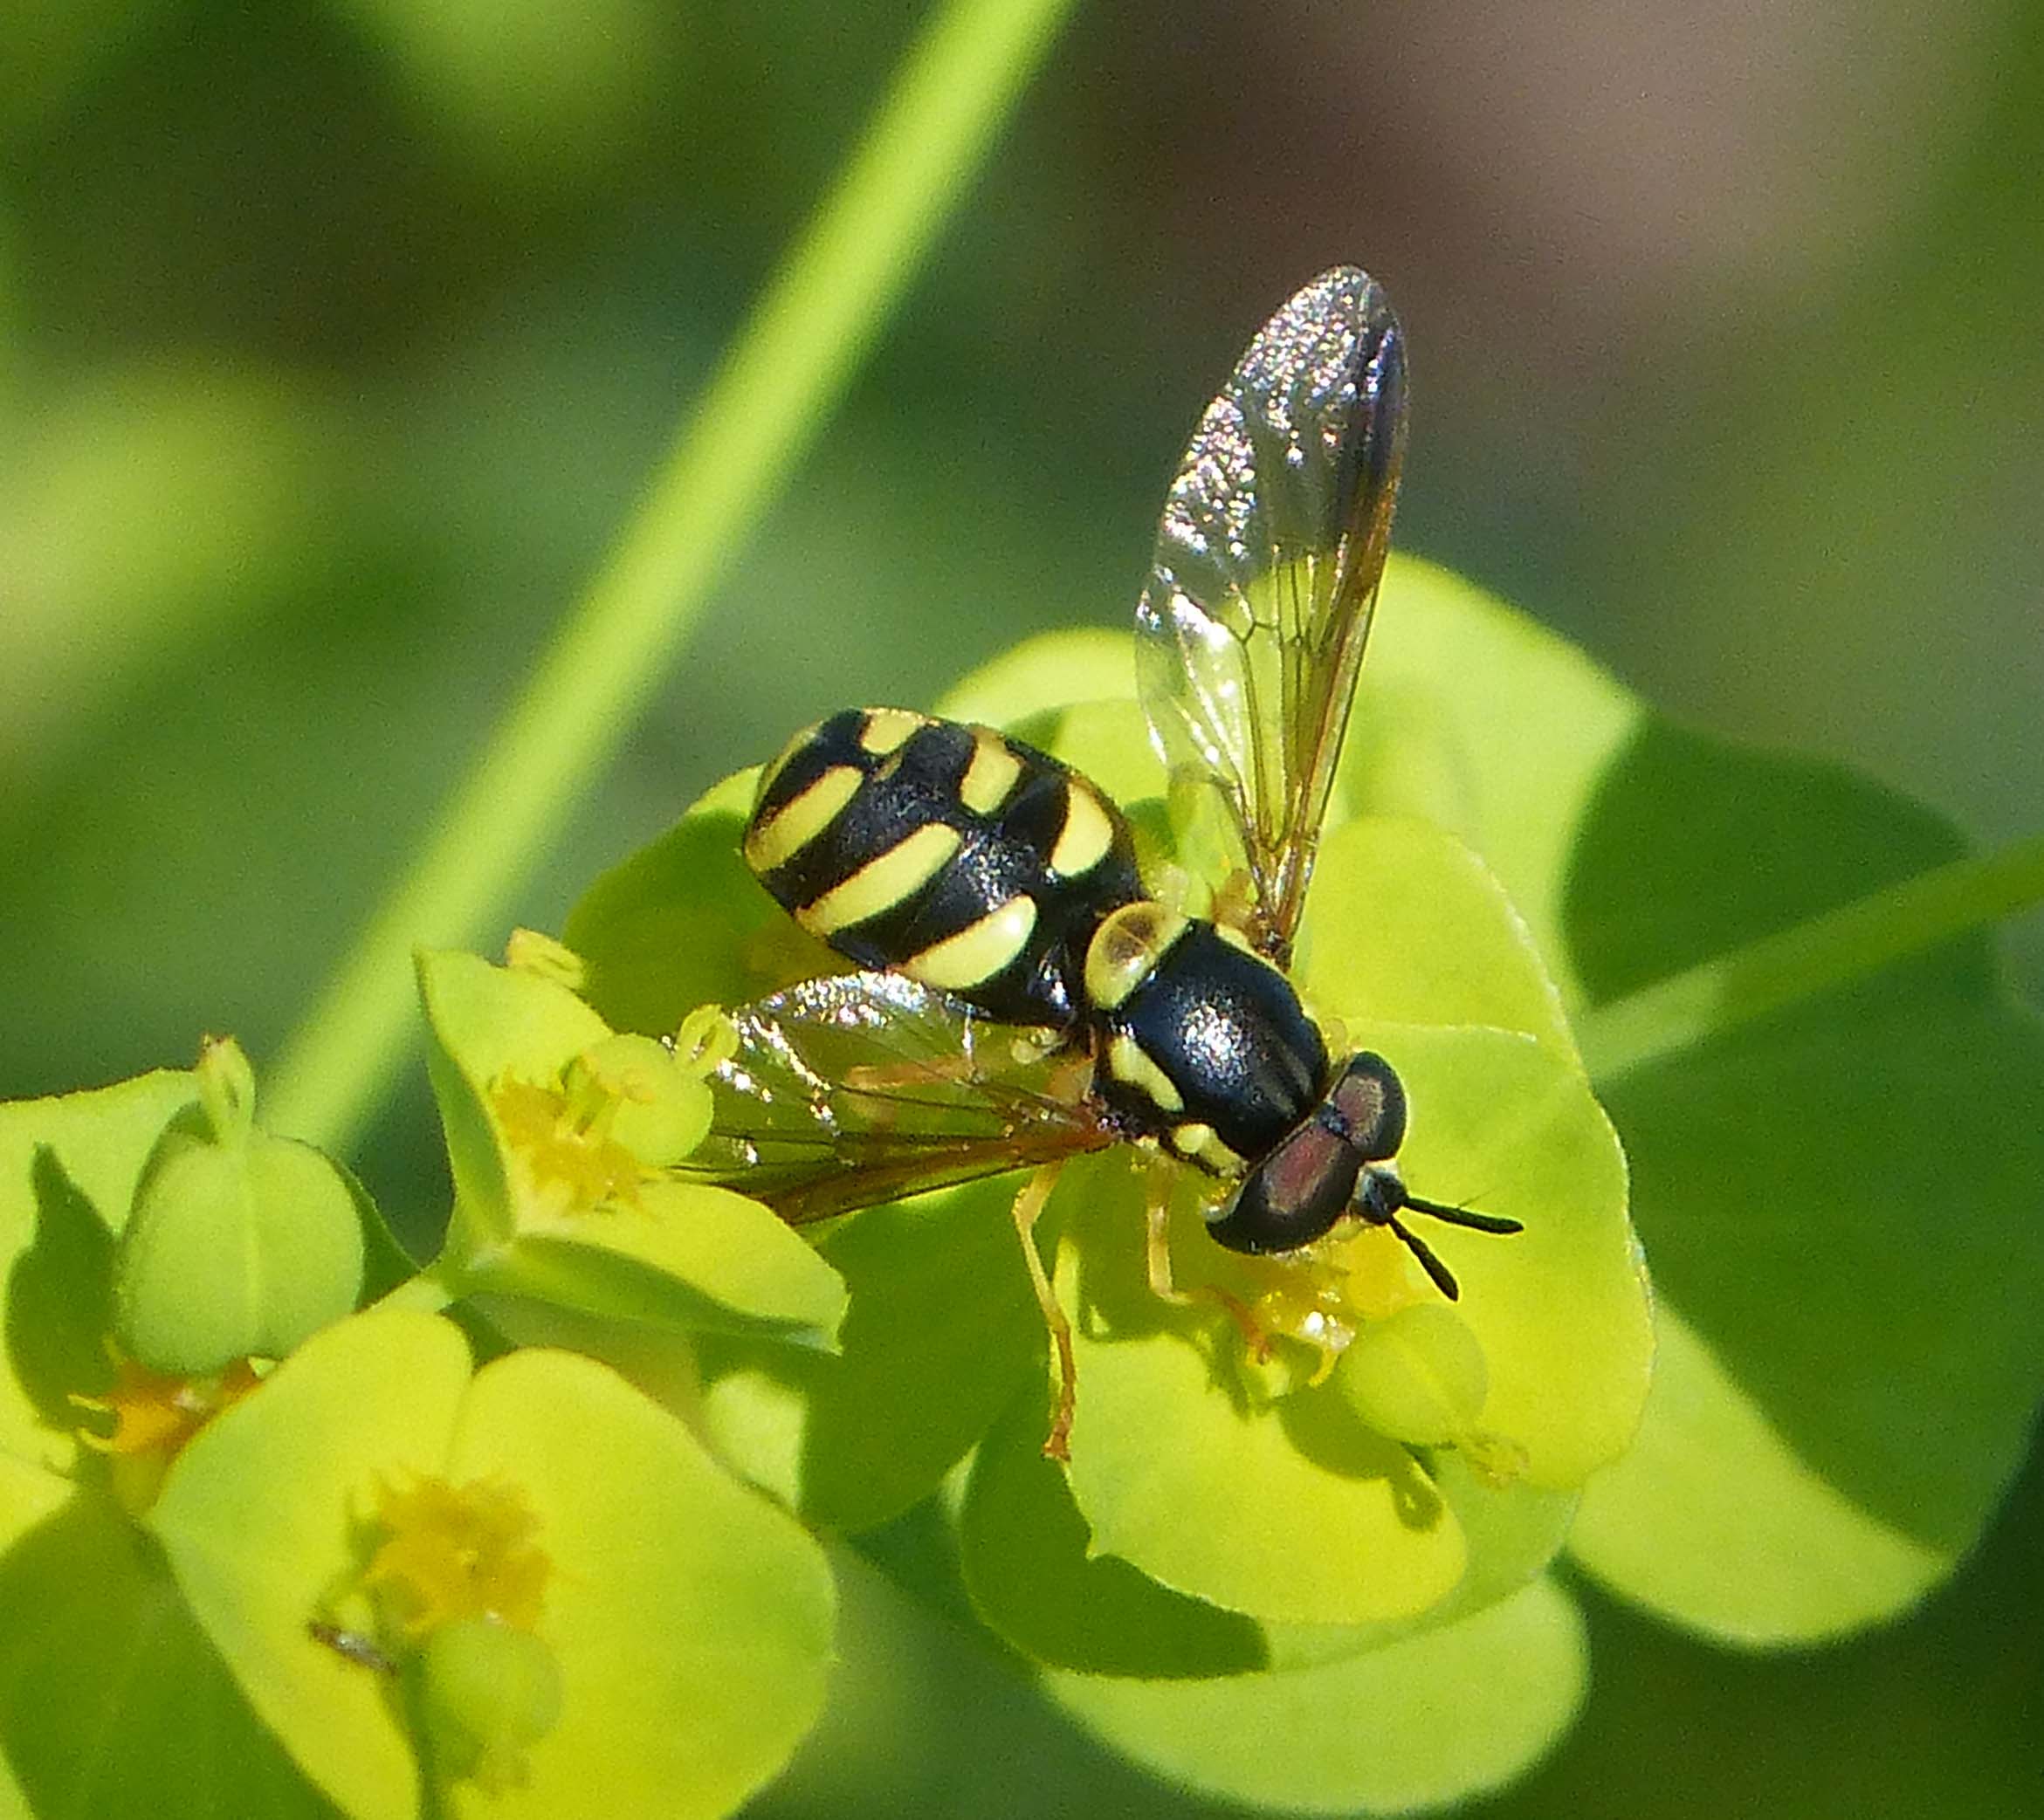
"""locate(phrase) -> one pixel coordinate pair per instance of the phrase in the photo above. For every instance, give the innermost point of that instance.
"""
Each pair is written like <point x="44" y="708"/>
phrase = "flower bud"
<point x="1418" y="1375"/>
<point x="237" y="1244"/>
<point x="489" y="1693"/>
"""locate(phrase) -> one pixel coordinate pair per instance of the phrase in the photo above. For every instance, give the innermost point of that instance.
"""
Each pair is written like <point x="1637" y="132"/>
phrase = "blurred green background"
<point x="335" y="339"/>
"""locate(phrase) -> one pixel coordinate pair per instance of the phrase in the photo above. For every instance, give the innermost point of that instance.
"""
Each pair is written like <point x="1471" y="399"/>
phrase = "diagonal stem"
<point x="1827" y="952"/>
<point x="776" y="386"/>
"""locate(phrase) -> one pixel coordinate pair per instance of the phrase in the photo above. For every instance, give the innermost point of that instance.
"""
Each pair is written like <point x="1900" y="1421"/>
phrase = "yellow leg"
<point x="1158" y="1256"/>
<point x="1028" y="1207"/>
<point x="1157" y="1188"/>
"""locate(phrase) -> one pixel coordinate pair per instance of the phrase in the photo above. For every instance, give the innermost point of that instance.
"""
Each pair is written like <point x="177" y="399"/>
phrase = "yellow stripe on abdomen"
<point x="881" y="883"/>
<point x="992" y="774"/>
<point x="798" y="821"/>
<point x="887" y="730"/>
<point x="978" y="951"/>
<point x="1130" y="1064"/>
<point x="1087" y="834"/>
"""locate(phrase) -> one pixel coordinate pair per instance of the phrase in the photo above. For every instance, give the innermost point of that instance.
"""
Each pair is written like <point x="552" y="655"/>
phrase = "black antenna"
<point x="1465" y="1217"/>
<point x="1443" y="1278"/>
<point x="1381" y="1196"/>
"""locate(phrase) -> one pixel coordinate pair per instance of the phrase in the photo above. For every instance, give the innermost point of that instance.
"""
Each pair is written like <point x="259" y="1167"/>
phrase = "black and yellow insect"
<point x="985" y="886"/>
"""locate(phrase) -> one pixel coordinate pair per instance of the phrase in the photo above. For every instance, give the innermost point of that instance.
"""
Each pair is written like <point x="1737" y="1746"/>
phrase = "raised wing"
<point x="862" y="1088"/>
<point x="1250" y="632"/>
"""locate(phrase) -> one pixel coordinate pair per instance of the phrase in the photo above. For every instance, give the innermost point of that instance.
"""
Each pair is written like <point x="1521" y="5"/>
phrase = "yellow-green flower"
<point x="447" y="1553"/>
<point x="679" y="1624"/>
<point x="561" y="1134"/>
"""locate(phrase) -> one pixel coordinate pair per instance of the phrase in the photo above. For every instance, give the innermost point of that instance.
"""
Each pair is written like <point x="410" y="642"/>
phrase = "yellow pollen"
<point x="456" y="1551"/>
<point x="564" y="1150"/>
<point x="155" y="1411"/>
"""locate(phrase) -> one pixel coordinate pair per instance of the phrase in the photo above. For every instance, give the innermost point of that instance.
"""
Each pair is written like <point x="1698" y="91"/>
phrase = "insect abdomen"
<point x="969" y="861"/>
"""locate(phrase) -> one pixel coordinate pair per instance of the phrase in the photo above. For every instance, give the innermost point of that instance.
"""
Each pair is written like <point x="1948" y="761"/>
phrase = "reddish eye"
<point x="1301" y="1165"/>
<point x="1370" y="1101"/>
<point x="1293" y="1196"/>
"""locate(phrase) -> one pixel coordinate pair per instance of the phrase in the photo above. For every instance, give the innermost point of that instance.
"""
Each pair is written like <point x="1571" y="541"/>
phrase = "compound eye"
<point x="1368" y="1103"/>
<point x="1293" y="1196"/>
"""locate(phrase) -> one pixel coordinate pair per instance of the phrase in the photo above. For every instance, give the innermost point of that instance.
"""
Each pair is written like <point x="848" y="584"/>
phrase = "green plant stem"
<point x="773" y="393"/>
<point x="1827" y="952"/>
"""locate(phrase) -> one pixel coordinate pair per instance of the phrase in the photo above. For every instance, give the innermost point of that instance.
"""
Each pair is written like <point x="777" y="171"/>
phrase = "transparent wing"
<point x="861" y="1088"/>
<point x="1252" y="630"/>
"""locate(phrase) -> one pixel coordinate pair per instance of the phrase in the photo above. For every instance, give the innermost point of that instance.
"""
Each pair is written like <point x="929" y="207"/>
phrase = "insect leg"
<point x="1028" y="1207"/>
<point x="1157" y="1191"/>
<point x="1157" y="1255"/>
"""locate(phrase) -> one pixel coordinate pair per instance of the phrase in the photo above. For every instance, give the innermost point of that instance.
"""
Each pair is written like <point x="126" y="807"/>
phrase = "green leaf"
<point x="386" y="1263"/>
<point x="113" y="1703"/>
<point x="1512" y="1533"/>
<point x="1840" y="1198"/>
<point x="1713" y="1520"/>
<point x="1560" y="1311"/>
<point x="68" y="1168"/>
<point x="692" y="1620"/>
<point x="1043" y="675"/>
<point x="1835" y="1192"/>
<point x="942" y="1327"/>
<point x="1305" y="1516"/>
<point x="683" y="922"/>
<point x="1405" y="925"/>
<point x="685" y="1257"/>
<point x="487" y="1023"/>
<point x="1288" y="1511"/>
<point x="1476" y="718"/>
<point x="1035" y="1581"/>
<point x="107" y="1682"/>
<point x="1457" y="1710"/>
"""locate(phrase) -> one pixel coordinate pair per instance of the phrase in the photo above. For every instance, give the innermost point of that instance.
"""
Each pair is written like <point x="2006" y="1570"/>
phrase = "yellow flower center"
<point x="155" y="1411"/>
<point x="1321" y="1295"/>
<point x="561" y="1141"/>
<point x="453" y="1552"/>
<point x="619" y="1113"/>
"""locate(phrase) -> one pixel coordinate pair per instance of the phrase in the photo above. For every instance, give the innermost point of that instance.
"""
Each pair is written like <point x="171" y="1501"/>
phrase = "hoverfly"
<point x="986" y="887"/>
